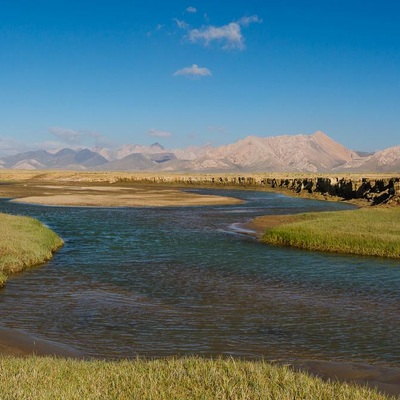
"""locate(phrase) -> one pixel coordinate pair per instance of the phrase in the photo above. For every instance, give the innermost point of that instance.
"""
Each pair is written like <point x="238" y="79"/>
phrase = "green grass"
<point x="366" y="231"/>
<point x="24" y="242"/>
<point x="166" y="379"/>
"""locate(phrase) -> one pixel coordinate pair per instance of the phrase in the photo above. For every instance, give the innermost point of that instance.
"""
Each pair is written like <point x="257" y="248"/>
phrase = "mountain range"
<point x="289" y="153"/>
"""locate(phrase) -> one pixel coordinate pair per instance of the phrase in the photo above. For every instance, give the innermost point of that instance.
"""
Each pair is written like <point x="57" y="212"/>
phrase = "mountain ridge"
<point x="287" y="153"/>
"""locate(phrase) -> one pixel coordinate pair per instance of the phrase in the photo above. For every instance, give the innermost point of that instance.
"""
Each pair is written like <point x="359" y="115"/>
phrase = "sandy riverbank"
<point x="73" y="195"/>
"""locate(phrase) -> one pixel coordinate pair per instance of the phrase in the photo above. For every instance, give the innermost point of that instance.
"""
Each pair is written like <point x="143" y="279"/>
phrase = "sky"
<point x="189" y="73"/>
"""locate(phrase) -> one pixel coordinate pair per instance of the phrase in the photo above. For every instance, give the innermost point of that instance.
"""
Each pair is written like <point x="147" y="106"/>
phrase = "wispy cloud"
<point x="181" y="24"/>
<point x="191" y="10"/>
<point x="246" y="21"/>
<point x="10" y="146"/>
<point x="71" y="136"/>
<point x="230" y="35"/>
<point x="64" y="137"/>
<point x="158" y="28"/>
<point x="194" y="71"/>
<point x="159" y="134"/>
<point x="77" y="137"/>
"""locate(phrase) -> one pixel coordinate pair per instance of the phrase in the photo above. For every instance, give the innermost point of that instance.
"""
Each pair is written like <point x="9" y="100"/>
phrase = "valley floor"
<point x="100" y="190"/>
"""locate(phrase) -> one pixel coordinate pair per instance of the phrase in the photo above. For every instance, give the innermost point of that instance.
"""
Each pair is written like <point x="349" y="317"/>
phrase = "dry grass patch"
<point x="185" y="378"/>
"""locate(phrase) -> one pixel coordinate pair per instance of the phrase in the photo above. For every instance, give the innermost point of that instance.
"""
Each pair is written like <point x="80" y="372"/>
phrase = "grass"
<point x="24" y="242"/>
<point x="184" y="378"/>
<point x="366" y="231"/>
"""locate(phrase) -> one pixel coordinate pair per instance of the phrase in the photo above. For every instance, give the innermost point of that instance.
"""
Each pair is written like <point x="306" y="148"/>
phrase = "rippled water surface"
<point x="169" y="281"/>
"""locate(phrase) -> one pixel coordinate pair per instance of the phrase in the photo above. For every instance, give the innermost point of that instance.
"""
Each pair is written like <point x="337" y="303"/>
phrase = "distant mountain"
<point x="28" y="164"/>
<point x="160" y="158"/>
<point x="39" y="156"/>
<point x="387" y="160"/>
<point x="127" y="149"/>
<point x="364" y="153"/>
<point x="132" y="162"/>
<point x="296" y="153"/>
<point x="64" y="152"/>
<point x="63" y="159"/>
<point x="317" y="152"/>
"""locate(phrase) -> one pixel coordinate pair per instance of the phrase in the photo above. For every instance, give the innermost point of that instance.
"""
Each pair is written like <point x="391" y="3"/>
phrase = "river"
<point x="182" y="280"/>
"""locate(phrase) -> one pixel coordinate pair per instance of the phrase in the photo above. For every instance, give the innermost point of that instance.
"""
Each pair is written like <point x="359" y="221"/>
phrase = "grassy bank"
<point x="366" y="231"/>
<point x="187" y="378"/>
<point x="24" y="242"/>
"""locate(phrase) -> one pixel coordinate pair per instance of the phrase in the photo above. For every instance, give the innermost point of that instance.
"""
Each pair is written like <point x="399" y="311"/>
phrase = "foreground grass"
<point x="185" y="378"/>
<point x="366" y="231"/>
<point x="24" y="242"/>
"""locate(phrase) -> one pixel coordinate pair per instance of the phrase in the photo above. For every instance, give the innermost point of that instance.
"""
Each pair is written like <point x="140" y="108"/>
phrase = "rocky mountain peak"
<point x="320" y="135"/>
<point x="157" y="145"/>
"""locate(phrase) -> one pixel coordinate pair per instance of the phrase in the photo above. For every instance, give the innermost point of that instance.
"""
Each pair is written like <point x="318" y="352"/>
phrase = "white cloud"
<point x="194" y="70"/>
<point x="159" y="134"/>
<point x="191" y="10"/>
<point x="180" y="23"/>
<point x="229" y="35"/>
<point x="246" y="21"/>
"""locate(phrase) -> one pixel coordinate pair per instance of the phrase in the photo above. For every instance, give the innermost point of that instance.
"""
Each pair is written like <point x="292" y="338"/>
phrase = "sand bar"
<point x="108" y="196"/>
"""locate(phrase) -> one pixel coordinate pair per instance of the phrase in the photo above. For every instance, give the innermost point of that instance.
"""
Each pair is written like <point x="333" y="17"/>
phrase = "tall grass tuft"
<point x="24" y="242"/>
<point x="366" y="231"/>
<point x="165" y="379"/>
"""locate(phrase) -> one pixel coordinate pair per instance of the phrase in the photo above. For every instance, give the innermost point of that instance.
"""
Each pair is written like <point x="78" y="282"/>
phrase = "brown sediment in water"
<point x="384" y="379"/>
<point x="14" y="342"/>
<point x="259" y="225"/>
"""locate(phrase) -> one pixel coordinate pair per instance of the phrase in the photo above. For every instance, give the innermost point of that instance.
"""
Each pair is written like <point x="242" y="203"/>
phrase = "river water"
<point x="171" y="281"/>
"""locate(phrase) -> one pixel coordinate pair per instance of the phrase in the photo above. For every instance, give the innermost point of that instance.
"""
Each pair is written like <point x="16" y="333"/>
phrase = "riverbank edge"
<point x="356" y="188"/>
<point x="16" y="265"/>
<point x="359" y="232"/>
<point x="385" y="380"/>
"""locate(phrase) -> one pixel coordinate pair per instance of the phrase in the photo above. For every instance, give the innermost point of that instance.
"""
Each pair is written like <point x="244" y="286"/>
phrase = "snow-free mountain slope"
<point x="289" y="153"/>
<point x="312" y="153"/>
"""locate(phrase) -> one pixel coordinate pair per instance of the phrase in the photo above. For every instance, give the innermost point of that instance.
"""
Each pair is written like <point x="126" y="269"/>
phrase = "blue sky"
<point x="80" y="73"/>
